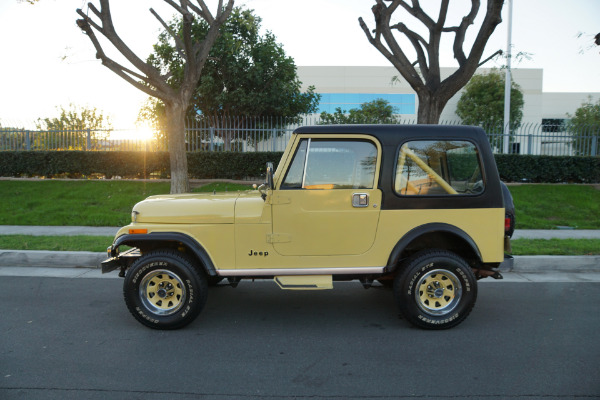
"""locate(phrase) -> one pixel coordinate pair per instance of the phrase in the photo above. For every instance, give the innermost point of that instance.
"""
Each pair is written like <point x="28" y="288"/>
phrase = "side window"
<point x="332" y="164"/>
<point x="438" y="168"/>
<point x="295" y="174"/>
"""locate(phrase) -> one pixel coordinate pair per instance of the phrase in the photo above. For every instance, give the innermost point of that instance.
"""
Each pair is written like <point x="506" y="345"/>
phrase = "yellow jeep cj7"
<point x="418" y="208"/>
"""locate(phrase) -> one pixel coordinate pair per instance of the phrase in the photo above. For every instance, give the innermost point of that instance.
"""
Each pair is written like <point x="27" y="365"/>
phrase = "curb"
<point x="555" y="264"/>
<point x="88" y="259"/>
<point x="50" y="259"/>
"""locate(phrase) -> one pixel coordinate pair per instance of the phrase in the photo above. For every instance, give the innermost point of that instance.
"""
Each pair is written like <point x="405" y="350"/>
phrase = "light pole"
<point x="507" y="83"/>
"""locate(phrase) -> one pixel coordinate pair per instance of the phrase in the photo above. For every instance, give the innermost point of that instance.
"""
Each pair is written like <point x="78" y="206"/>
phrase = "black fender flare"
<point x="425" y="229"/>
<point x="134" y="240"/>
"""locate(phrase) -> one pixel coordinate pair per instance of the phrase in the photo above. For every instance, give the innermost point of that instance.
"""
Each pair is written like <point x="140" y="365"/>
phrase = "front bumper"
<point x="122" y="260"/>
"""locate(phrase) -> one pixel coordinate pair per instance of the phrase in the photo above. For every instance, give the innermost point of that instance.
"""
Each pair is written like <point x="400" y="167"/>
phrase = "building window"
<point x="553" y="124"/>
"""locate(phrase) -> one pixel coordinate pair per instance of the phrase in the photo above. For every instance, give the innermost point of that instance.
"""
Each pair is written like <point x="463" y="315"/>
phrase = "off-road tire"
<point x="164" y="290"/>
<point x="435" y="289"/>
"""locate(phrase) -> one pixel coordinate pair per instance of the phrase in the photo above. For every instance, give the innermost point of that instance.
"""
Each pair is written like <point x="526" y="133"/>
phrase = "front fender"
<point x="139" y="240"/>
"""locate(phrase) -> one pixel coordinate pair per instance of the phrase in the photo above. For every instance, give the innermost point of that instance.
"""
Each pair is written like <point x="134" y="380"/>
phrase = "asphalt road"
<point x="74" y="339"/>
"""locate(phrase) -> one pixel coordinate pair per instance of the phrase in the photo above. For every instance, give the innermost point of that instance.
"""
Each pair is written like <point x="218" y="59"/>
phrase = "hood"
<point x="187" y="209"/>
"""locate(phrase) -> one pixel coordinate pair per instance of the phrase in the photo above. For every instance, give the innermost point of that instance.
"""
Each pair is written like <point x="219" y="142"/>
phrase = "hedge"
<point x="548" y="169"/>
<point x="232" y="165"/>
<point x="132" y="164"/>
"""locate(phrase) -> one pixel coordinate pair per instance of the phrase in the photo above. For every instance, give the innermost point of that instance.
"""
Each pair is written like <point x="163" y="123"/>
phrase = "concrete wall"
<point x="557" y="105"/>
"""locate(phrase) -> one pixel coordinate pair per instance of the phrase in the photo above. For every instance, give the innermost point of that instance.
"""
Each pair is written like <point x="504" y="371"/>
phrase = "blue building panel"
<point x="402" y="103"/>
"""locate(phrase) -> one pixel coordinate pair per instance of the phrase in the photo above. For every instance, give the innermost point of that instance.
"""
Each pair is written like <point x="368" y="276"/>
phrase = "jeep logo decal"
<point x="258" y="253"/>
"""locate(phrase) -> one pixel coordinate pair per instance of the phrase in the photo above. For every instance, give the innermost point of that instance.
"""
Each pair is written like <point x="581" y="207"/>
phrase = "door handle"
<point x="360" y="200"/>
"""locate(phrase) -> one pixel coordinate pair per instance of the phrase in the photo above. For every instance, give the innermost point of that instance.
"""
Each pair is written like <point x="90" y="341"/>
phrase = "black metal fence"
<point x="272" y="134"/>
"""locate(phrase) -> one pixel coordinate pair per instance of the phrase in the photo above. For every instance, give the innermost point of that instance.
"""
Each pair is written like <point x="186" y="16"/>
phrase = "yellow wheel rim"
<point x="438" y="292"/>
<point x="162" y="292"/>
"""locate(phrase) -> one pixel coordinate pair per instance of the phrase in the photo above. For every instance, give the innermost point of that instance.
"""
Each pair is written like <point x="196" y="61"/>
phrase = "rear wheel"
<point x="163" y="290"/>
<point x="436" y="289"/>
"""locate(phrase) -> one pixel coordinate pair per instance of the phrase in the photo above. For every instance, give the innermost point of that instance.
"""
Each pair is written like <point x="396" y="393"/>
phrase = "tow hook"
<point x="484" y="273"/>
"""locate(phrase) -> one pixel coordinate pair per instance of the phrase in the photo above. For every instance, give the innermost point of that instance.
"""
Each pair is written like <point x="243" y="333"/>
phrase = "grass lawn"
<point x="555" y="247"/>
<point x="549" y="206"/>
<point x="109" y="203"/>
<point x="55" y="243"/>
<point x="221" y="187"/>
<point x="86" y="203"/>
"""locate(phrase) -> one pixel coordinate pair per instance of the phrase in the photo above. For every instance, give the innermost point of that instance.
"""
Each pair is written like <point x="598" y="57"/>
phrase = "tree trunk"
<point x="430" y="108"/>
<point x="176" y="138"/>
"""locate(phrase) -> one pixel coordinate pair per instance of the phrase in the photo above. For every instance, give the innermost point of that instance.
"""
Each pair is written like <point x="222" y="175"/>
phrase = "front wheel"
<point x="436" y="289"/>
<point x="163" y="290"/>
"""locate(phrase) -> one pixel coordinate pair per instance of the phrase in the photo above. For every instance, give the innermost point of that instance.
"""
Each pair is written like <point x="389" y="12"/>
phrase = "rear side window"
<point x="332" y="164"/>
<point x="438" y="168"/>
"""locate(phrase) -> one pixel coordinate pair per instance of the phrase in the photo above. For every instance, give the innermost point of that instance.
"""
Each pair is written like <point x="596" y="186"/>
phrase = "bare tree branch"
<point x="118" y="69"/>
<point x="497" y="53"/>
<point x="393" y="52"/>
<point x="177" y="39"/>
<point x="205" y="13"/>
<point x="108" y="30"/>
<point x="179" y="9"/>
<point x="461" y="31"/>
<point x="149" y="79"/>
<point x="417" y="12"/>
<point x="418" y="43"/>
<point x="433" y="93"/>
<point x="442" y="16"/>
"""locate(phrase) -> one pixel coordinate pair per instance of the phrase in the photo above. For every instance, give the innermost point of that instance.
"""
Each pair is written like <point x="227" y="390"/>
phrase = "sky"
<point x="47" y="62"/>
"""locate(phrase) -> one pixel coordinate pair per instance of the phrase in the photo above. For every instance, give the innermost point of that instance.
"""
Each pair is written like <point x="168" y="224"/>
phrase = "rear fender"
<point x="422" y="231"/>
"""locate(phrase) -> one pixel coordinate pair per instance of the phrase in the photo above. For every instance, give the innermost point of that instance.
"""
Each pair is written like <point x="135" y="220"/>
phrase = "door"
<point x="327" y="202"/>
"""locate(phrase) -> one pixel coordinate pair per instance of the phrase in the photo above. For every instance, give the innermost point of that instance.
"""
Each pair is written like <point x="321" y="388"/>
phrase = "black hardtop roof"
<point x="394" y="133"/>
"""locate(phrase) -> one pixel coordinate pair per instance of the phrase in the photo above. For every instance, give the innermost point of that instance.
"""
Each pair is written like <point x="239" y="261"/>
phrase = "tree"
<point x="75" y="121"/>
<point x="175" y="94"/>
<point x="433" y="93"/>
<point x="378" y="111"/>
<point x="482" y="102"/>
<point x="75" y="117"/>
<point x="246" y="75"/>
<point x="585" y="128"/>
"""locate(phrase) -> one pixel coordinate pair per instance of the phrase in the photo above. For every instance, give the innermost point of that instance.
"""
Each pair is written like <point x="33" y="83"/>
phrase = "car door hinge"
<point x="279" y="238"/>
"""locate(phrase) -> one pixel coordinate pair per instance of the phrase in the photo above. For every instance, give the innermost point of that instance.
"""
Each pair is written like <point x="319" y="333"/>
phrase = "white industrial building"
<point x="358" y="83"/>
<point x="349" y="87"/>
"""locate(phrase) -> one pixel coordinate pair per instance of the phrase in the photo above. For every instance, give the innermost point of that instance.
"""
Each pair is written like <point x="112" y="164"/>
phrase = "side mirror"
<point x="269" y="183"/>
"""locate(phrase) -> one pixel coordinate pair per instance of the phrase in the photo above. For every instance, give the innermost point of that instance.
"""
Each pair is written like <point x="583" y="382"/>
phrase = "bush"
<point x="132" y="164"/>
<point x="231" y="165"/>
<point x="548" y="169"/>
<point x="76" y="164"/>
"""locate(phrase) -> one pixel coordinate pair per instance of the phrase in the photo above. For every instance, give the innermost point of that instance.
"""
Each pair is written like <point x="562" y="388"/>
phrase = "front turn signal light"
<point x="138" y="231"/>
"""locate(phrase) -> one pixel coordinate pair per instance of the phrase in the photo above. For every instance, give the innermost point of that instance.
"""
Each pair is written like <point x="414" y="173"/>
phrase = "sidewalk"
<point x="84" y="259"/>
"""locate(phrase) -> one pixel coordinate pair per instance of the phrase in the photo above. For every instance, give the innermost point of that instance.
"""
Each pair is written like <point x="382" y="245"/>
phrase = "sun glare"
<point x="144" y="133"/>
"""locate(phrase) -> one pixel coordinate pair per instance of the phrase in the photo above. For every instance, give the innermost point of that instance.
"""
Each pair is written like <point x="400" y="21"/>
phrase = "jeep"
<point x="417" y="208"/>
